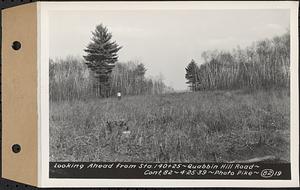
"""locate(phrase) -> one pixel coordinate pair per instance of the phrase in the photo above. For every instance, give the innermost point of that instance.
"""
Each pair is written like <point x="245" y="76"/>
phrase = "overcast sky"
<point x="165" y="40"/>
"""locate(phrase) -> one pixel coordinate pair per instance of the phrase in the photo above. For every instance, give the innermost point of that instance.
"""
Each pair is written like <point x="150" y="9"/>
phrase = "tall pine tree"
<point x="192" y="75"/>
<point x="101" y="56"/>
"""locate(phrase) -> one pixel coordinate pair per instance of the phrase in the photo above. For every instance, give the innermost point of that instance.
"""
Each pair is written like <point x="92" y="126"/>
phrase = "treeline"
<point x="263" y="65"/>
<point x="70" y="79"/>
<point x="129" y="78"/>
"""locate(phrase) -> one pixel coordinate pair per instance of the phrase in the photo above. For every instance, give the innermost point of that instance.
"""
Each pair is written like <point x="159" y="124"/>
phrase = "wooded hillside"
<point x="263" y="65"/>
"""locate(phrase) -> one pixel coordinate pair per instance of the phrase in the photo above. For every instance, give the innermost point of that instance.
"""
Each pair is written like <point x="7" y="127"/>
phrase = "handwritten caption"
<point x="181" y="169"/>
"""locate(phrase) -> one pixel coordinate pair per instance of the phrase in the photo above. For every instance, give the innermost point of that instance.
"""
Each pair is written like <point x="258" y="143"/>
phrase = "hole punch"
<point x="16" y="148"/>
<point x="16" y="45"/>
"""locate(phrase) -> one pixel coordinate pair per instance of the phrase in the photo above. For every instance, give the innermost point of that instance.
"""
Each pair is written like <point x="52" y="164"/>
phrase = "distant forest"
<point x="263" y="65"/>
<point x="70" y="79"/>
<point x="99" y="74"/>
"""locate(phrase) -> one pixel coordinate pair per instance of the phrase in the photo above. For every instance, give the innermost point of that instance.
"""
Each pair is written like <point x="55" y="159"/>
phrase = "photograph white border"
<point x="43" y="93"/>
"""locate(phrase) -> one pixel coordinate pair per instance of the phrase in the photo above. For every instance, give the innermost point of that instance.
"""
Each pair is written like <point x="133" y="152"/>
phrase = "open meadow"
<point x="202" y="126"/>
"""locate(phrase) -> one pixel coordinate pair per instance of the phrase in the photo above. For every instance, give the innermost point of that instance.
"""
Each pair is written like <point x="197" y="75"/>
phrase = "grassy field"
<point x="214" y="126"/>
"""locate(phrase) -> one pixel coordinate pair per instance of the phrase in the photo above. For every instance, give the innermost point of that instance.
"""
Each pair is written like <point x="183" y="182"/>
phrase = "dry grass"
<point x="207" y="126"/>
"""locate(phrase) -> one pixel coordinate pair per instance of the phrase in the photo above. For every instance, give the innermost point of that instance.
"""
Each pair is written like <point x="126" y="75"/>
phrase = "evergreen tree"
<point x="101" y="58"/>
<point x="140" y="70"/>
<point x="192" y="75"/>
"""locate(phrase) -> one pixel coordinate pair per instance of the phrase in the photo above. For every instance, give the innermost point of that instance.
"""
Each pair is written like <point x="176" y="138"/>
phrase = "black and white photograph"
<point x="150" y="94"/>
<point x="179" y="85"/>
<point x="169" y="86"/>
